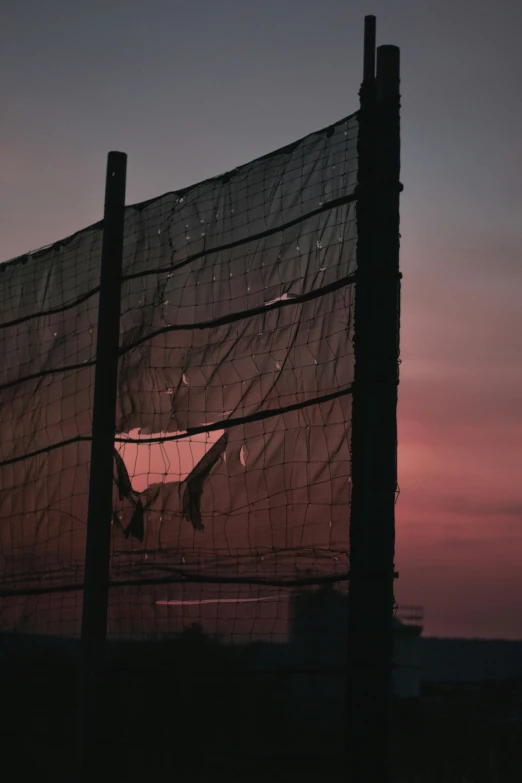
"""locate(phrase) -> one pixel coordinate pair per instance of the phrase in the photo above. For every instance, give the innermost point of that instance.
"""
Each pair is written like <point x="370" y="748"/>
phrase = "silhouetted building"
<point x="319" y="633"/>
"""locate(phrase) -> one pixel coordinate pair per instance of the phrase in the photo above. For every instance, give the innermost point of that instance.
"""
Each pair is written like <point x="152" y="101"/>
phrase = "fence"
<point x="227" y="540"/>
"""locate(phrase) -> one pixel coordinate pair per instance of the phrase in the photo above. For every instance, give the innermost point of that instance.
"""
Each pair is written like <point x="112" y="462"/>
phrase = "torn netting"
<point x="233" y="423"/>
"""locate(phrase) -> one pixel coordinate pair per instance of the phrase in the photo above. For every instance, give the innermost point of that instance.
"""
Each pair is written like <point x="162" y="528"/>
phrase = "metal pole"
<point x="370" y="32"/>
<point x="97" y="554"/>
<point x="374" y="424"/>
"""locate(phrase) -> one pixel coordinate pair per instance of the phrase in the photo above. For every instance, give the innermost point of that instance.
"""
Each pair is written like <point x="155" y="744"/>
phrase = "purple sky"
<point x="192" y="88"/>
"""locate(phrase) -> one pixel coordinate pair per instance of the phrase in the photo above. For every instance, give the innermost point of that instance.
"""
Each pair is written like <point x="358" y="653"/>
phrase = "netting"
<point x="230" y="525"/>
<point x="232" y="448"/>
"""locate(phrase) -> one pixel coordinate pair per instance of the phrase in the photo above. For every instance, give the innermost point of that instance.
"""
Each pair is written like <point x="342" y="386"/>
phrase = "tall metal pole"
<point x="97" y="555"/>
<point x="370" y="33"/>
<point x="374" y="420"/>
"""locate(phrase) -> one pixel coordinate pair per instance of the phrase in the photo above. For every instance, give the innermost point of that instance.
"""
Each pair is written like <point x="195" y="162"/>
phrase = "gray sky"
<point x="192" y="88"/>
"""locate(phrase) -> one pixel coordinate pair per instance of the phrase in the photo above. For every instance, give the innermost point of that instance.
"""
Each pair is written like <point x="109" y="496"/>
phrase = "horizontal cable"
<point x="43" y="373"/>
<point x="285" y="150"/>
<point x="53" y="311"/>
<point x="216" y="322"/>
<point x="206" y="324"/>
<point x="227" y="423"/>
<point x="52" y="447"/>
<point x="23" y="591"/>
<point x="182" y="579"/>
<point x="99" y="226"/>
<point x="139" y="206"/>
<point x="337" y="202"/>
<point x="259" y="416"/>
<point x="233" y="580"/>
<point x="242" y="314"/>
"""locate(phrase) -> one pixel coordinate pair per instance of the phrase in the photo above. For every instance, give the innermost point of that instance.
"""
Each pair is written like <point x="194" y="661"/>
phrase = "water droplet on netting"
<point x="278" y="365"/>
<point x="166" y="302"/>
<point x="346" y="133"/>
<point x="217" y="214"/>
<point x="232" y="211"/>
<point x="55" y="334"/>
<point x="319" y="245"/>
<point x="186" y="380"/>
<point x="315" y="361"/>
<point x="248" y="288"/>
<point x="297" y="247"/>
<point x="230" y="274"/>
<point x="187" y="225"/>
<point x="181" y="199"/>
<point x="146" y="557"/>
<point x="169" y="275"/>
<point x="201" y="221"/>
<point x="213" y="279"/>
<point x="183" y="559"/>
<point x="161" y="519"/>
<point x="340" y="239"/>
<point x="202" y="233"/>
<point x="330" y="524"/>
<point x="321" y="203"/>
<point x="322" y="269"/>
<point x="187" y="237"/>
<point x="90" y="331"/>
<point x="159" y="230"/>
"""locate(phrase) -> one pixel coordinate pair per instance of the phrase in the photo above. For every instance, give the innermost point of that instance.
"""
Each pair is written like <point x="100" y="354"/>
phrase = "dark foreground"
<point x="193" y="711"/>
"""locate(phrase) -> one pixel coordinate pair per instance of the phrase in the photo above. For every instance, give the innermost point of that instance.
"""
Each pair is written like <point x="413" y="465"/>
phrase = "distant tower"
<point x="406" y="652"/>
<point x="319" y="635"/>
<point x="319" y="626"/>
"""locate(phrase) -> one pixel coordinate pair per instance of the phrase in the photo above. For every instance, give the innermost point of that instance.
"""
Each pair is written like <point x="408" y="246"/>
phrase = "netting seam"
<point x="51" y="447"/>
<point x="223" y="321"/>
<point x="189" y="432"/>
<point x="253" y="238"/>
<point x="53" y="311"/>
<point x="139" y="206"/>
<point x="243" y="314"/>
<point x="227" y="423"/>
<point x="44" y="373"/>
<point x="328" y="205"/>
<point x="184" y="578"/>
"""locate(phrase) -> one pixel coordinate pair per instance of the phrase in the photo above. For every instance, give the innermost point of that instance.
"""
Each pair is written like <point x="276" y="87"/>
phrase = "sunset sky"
<point x="192" y="88"/>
